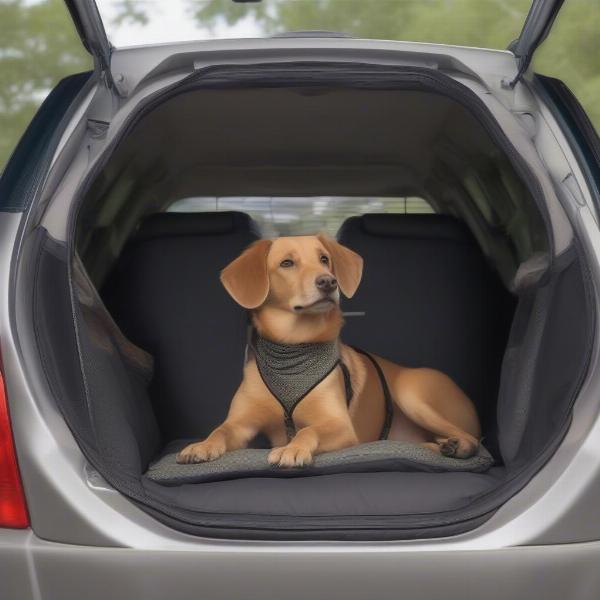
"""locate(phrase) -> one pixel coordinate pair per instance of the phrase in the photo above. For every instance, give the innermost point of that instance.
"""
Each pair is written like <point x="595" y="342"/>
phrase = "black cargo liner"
<point x="59" y="326"/>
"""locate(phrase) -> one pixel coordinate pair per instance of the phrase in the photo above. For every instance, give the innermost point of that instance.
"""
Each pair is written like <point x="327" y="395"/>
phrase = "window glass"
<point x="302" y="216"/>
<point x="38" y="47"/>
<point x="571" y="53"/>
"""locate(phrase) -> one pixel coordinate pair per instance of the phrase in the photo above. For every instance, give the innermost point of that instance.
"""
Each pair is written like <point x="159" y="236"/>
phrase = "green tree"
<point x="38" y="47"/>
<point x="484" y="23"/>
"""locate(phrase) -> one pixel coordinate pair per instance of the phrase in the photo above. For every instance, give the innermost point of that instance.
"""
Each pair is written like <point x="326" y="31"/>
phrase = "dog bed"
<point x="252" y="462"/>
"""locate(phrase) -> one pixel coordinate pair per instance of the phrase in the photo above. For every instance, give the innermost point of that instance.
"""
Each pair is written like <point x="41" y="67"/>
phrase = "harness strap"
<point x="389" y="403"/>
<point x="290" y="427"/>
<point x="349" y="392"/>
<point x="347" y="382"/>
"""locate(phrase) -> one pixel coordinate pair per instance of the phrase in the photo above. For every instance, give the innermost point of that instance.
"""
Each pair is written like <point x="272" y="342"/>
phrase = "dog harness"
<point x="292" y="371"/>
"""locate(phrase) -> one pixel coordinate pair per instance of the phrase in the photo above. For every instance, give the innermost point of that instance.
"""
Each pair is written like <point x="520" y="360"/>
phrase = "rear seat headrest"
<point x="162" y="225"/>
<point x="435" y="227"/>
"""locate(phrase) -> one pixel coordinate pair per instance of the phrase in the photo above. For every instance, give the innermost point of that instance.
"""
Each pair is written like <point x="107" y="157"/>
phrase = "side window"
<point x="297" y="216"/>
<point x="571" y="53"/>
<point x="38" y="47"/>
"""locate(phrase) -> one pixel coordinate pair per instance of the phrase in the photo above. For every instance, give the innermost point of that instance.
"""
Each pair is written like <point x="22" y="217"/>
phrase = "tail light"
<point x="13" y="510"/>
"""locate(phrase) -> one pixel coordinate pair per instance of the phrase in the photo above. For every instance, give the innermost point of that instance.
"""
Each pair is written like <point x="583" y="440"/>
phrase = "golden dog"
<point x="292" y="287"/>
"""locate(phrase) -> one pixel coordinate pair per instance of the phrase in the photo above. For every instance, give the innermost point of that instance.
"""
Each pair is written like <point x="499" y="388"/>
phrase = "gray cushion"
<point x="374" y="456"/>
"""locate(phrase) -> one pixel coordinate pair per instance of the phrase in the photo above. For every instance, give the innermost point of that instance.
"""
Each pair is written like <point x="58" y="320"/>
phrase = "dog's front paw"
<point x="200" y="452"/>
<point x="290" y="456"/>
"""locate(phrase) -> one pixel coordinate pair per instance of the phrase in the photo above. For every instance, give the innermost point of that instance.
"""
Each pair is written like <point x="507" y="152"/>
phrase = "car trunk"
<point x="144" y="349"/>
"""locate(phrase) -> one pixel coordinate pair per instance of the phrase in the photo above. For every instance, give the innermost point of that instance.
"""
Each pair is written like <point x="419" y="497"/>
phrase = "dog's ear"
<point x="247" y="278"/>
<point x="347" y="265"/>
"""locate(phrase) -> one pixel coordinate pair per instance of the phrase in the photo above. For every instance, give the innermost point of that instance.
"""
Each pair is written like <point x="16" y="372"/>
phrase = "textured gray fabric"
<point x="383" y="455"/>
<point x="91" y="302"/>
<point x="520" y="363"/>
<point x="290" y="371"/>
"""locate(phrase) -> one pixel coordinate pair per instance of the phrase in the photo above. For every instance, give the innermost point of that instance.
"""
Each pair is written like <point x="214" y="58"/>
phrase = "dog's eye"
<point x="325" y="260"/>
<point x="287" y="263"/>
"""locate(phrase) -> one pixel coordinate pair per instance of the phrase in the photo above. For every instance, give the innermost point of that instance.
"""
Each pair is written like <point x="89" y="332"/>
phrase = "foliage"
<point x="38" y="47"/>
<point x="483" y="23"/>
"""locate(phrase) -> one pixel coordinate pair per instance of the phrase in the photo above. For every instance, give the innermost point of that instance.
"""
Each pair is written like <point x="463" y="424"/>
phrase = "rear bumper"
<point x="33" y="568"/>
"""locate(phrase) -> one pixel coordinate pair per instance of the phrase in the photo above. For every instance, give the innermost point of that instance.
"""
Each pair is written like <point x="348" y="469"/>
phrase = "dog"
<point x="292" y="389"/>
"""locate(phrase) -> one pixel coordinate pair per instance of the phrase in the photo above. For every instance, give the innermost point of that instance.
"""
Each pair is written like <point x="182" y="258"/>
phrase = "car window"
<point x="484" y="23"/>
<point x="304" y="215"/>
<point x="38" y="47"/>
<point x="571" y="53"/>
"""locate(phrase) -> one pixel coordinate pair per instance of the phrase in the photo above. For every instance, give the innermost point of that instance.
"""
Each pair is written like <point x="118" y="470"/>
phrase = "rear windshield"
<point x="483" y="23"/>
<point x="303" y="215"/>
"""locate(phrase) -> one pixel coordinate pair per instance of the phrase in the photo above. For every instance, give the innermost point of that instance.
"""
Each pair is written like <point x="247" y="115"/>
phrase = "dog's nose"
<point x="326" y="283"/>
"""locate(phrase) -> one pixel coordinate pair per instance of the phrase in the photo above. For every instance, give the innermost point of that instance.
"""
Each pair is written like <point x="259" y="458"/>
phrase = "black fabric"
<point x="387" y="396"/>
<point x="357" y="495"/>
<point x="165" y="295"/>
<point x="125" y="428"/>
<point x="109" y="410"/>
<point x="540" y="399"/>
<point x="117" y="376"/>
<point x="55" y="335"/>
<point x="430" y="300"/>
<point x="411" y="227"/>
<point x="163" y="225"/>
<point x="354" y="506"/>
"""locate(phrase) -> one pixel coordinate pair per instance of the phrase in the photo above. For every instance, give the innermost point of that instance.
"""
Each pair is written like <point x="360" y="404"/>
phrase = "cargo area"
<point x="145" y="348"/>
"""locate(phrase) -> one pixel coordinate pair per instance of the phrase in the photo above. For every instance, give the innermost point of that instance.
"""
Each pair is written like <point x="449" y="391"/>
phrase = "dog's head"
<point x="303" y="274"/>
